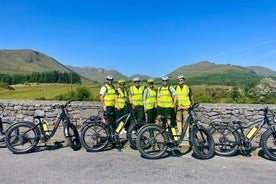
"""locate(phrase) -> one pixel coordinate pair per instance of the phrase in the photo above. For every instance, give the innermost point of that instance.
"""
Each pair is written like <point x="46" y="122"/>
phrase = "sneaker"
<point x="123" y="132"/>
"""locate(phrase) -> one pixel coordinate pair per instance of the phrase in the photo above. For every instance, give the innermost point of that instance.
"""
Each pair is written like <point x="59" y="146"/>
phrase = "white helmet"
<point x="109" y="77"/>
<point x="180" y="77"/>
<point x="136" y="79"/>
<point x="165" y="78"/>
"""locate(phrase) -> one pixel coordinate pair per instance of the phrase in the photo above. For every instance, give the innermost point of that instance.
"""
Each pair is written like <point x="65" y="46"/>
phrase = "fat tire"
<point x="132" y="132"/>
<point x="268" y="143"/>
<point x="5" y="125"/>
<point x="152" y="141"/>
<point x="225" y="139"/>
<point x="202" y="143"/>
<point x="16" y="135"/>
<point x="95" y="136"/>
<point x="72" y="136"/>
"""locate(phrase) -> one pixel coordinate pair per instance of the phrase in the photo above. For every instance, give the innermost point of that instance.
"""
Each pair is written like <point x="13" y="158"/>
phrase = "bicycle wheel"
<point x="225" y="139"/>
<point x="3" y="129"/>
<point x="132" y="134"/>
<point x="152" y="141"/>
<point x="268" y="142"/>
<point x="72" y="136"/>
<point x="94" y="136"/>
<point x="22" y="137"/>
<point x="202" y="143"/>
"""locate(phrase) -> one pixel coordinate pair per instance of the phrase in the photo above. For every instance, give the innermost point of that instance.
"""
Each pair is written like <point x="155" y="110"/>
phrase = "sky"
<point x="152" y="37"/>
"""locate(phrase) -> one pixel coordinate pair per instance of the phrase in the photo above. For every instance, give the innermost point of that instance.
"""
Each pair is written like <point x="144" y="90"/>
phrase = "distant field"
<point x="42" y="91"/>
<point x="50" y="91"/>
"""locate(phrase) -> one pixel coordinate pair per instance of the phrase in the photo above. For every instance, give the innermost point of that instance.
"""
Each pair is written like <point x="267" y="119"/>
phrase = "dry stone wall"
<point x="16" y="110"/>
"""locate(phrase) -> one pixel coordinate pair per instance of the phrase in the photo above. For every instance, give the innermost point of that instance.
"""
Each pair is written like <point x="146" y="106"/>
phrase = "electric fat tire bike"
<point x="4" y="125"/>
<point x="96" y="135"/>
<point x="23" y="137"/>
<point x="232" y="137"/>
<point x="153" y="140"/>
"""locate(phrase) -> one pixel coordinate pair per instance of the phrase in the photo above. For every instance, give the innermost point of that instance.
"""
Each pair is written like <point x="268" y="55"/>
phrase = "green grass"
<point x="36" y="91"/>
<point x="42" y="91"/>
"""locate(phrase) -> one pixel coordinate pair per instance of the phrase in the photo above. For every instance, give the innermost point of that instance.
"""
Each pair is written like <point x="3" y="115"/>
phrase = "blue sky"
<point x="152" y="37"/>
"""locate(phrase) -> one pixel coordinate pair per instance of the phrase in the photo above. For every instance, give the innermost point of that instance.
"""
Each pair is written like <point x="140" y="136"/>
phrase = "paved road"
<point x="58" y="165"/>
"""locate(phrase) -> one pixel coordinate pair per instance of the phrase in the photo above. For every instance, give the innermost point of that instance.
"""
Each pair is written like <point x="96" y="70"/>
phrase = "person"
<point x="150" y="102"/>
<point x="107" y="98"/>
<point x="166" y="101"/>
<point x="184" y="99"/>
<point x="121" y="100"/>
<point x="136" y="99"/>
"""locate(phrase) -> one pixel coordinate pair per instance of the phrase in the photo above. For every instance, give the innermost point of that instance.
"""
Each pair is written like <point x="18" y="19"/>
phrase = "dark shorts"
<point x="165" y="112"/>
<point x="109" y="113"/>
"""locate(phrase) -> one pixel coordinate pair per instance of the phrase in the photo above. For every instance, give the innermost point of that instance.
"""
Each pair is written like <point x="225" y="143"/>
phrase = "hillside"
<point x="27" y="61"/>
<point x="205" y="72"/>
<point x="205" y="68"/>
<point x="99" y="74"/>
<point x="262" y="71"/>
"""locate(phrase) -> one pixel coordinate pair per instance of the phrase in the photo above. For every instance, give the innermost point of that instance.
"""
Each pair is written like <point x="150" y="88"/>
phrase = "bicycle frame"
<point x="240" y="129"/>
<point x="189" y="122"/>
<point x="260" y="123"/>
<point x="61" y="118"/>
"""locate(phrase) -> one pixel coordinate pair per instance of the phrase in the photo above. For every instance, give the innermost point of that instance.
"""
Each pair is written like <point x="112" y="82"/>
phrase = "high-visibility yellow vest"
<point x="109" y="97"/>
<point x="183" y="97"/>
<point x="165" y="97"/>
<point x="122" y="97"/>
<point x="150" y="98"/>
<point x="137" y="95"/>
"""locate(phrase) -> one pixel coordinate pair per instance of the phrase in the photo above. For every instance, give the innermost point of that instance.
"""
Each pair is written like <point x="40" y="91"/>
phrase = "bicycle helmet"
<point x="136" y="79"/>
<point x="109" y="77"/>
<point x="150" y="80"/>
<point x="180" y="77"/>
<point x="165" y="78"/>
<point x="121" y="81"/>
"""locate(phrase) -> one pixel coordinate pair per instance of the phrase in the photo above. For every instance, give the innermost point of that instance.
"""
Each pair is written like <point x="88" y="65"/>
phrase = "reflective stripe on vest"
<point x="109" y="97"/>
<point x="165" y="97"/>
<point x="151" y="99"/>
<point x="137" y="95"/>
<point x="183" y="97"/>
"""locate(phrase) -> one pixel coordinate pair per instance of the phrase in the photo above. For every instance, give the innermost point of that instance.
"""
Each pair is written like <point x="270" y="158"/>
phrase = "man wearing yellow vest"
<point x="150" y="102"/>
<point x="121" y="99"/>
<point x="166" y="101"/>
<point x="107" y="98"/>
<point x="136" y="99"/>
<point x="184" y="99"/>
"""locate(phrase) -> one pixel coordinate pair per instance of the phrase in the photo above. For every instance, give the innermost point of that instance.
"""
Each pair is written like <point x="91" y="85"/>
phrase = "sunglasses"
<point x="164" y="81"/>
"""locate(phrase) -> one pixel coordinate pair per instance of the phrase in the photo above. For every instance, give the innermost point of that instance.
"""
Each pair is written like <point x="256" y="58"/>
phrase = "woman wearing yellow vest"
<point x="121" y="99"/>
<point x="136" y="100"/>
<point x="184" y="100"/>
<point x="150" y="102"/>
<point x="166" y="101"/>
<point x="107" y="98"/>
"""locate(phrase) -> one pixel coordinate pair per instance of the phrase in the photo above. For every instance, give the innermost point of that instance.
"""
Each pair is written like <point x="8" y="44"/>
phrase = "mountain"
<point x="99" y="74"/>
<point x="205" y="68"/>
<point x="262" y="71"/>
<point x="205" y="72"/>
<point x="26" y="61"/>
<point x="96" y="74"/>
